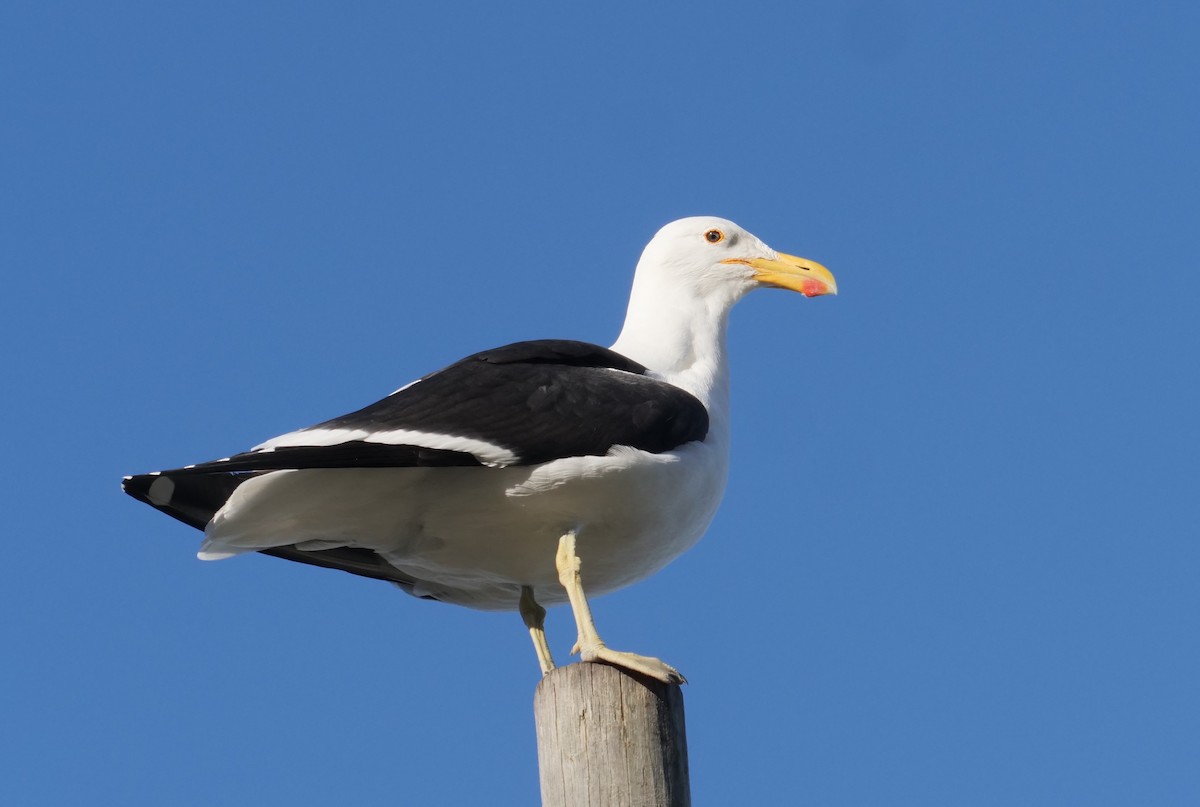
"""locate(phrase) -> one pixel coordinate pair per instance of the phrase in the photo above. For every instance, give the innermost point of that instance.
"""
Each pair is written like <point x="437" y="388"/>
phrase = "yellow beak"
<point x="789" y="272"/>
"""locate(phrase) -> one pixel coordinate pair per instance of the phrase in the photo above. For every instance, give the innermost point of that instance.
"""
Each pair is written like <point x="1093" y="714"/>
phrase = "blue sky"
<point x="957" y="561"/>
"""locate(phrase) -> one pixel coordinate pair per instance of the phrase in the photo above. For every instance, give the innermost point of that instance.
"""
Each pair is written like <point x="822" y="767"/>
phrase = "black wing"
<point x="539" y="400"/>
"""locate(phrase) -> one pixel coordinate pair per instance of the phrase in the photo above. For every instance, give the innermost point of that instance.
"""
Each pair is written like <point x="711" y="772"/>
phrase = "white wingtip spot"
<point x="161" y="490"/>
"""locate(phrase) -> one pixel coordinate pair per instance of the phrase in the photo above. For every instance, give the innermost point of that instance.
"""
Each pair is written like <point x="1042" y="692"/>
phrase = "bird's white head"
<point x="689" y="276"/>
<point x="720" y="261"/>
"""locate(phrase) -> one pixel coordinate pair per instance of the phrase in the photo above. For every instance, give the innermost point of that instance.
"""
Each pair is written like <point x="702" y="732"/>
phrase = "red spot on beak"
<point x="813" y="288"/>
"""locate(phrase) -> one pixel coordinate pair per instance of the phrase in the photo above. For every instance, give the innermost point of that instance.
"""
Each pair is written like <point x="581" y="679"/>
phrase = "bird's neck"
<point x="680" y="339"/>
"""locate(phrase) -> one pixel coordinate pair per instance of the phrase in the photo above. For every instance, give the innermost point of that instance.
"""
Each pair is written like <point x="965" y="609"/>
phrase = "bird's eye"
<point x="714" y="236"/>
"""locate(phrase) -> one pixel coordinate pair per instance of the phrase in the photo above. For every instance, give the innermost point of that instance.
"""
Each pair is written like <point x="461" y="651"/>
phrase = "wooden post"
<point x="610" y="738"/>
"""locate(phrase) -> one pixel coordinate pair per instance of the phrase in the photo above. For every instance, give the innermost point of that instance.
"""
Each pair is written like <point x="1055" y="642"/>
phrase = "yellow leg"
<point x="589" y="645"/>
<point x="535" y="619"/>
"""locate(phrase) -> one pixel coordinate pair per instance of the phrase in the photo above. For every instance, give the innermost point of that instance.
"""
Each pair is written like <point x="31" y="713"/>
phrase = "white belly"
<point x="474" y="536"/>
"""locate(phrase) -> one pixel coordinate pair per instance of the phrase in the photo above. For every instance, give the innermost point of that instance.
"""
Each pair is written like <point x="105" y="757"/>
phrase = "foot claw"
<point x="646" y="665"/>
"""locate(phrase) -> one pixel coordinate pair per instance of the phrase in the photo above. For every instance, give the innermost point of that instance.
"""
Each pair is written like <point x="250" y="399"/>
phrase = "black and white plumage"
<point x="464" y="486"/>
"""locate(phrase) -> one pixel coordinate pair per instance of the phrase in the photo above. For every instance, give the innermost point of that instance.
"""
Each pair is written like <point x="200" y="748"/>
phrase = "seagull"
<point x="533" y="474"/>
